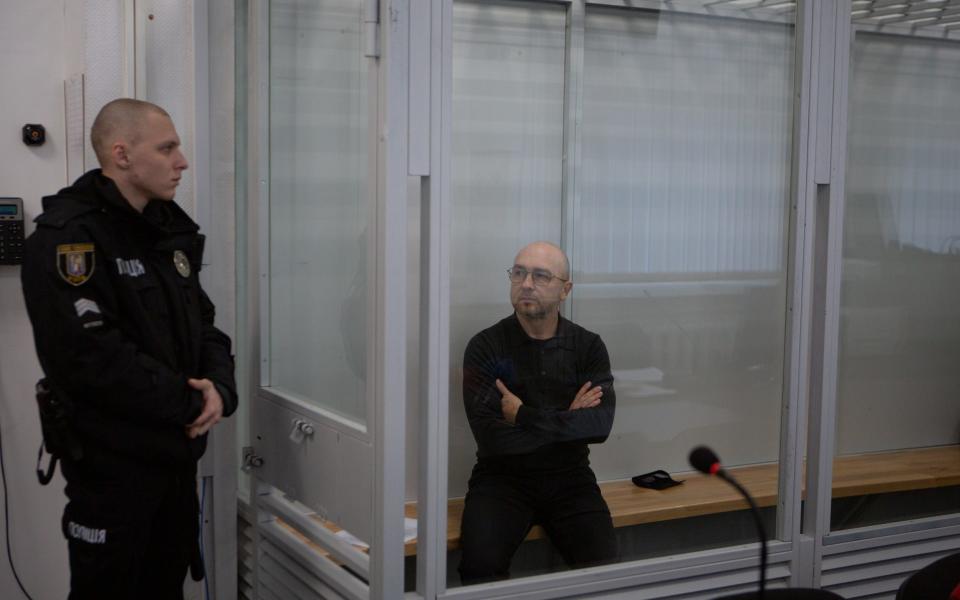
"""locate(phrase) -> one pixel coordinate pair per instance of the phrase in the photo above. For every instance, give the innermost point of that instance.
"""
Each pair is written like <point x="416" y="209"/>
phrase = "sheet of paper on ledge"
<point x="409" y="534"/>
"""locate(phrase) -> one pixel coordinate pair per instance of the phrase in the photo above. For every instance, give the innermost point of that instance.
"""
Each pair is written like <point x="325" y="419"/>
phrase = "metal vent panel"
<point x="245" y="550"/>
<point x="282" y="573"/>
<point x="711" y="586"/>
<point x="699" y="587"/>
<point x="874" y="569"/>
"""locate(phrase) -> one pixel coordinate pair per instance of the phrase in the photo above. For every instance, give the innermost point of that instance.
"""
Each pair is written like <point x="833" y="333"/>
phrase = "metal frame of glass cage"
<point x="413" y="79"/>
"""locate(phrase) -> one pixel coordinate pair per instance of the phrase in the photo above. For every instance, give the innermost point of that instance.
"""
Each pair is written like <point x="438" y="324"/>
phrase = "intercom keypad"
<point x="11" y="231"/>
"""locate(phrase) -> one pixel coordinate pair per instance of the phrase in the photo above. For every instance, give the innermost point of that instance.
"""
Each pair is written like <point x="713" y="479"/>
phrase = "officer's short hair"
<point x="121" y="117"/>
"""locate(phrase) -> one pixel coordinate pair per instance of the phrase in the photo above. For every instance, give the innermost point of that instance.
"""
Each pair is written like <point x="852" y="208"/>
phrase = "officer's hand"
<point x="212" y="407"/>
<point x="587" y="397"/>
<point x="509" y="403"/>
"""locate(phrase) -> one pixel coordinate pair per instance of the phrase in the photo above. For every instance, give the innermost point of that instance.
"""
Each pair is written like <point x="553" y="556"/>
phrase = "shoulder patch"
<point x="62" y="213"/>
<point x="75" y="262"/>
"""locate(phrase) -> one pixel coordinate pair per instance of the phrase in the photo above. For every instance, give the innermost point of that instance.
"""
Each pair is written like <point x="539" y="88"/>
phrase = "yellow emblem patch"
<point x="75" y="262"/>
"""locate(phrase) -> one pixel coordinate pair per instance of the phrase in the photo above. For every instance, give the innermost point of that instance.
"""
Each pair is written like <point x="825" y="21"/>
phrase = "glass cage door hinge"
<point x="251" y="460"/>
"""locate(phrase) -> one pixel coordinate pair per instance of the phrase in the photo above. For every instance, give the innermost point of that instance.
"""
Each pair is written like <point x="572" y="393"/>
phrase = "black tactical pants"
<point x="131" y="535"/>
<point x="501" y="507"/>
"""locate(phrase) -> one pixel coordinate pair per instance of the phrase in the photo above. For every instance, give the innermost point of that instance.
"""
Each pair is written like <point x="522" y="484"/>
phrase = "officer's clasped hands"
<point x="212" y="408"/>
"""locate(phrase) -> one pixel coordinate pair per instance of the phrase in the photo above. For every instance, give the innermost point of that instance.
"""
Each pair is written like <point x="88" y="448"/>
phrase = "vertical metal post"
<point x="825" y="203"/>
<point x="795" y="384"/>
<point x="418" y="122"/>
<point x="202" y="200"/>
<point x="371" y="28"/>
<point x="435" y="314"/>
<point x="260" y="145"/>
<point x="573" y="116"/>
<point x="386" y="552"/>
<point x="253" y="226"/>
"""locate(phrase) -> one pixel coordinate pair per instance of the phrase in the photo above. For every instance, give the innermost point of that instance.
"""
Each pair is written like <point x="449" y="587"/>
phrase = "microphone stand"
<point x="756" y="519"/>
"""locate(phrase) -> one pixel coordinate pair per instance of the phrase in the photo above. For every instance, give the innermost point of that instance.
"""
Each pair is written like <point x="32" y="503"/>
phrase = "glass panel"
<point x="682" y="231"/>
<point x="678" y="241"/>
<point x="320" y="205"/>
<point x="680" y="246"/>
<point x="508" y="77"/>
<point x="900" y="306"/>
<point x="506" y="170"/>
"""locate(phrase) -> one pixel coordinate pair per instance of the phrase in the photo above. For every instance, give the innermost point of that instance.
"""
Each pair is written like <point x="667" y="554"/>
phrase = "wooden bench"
<point x="857" y="475"/>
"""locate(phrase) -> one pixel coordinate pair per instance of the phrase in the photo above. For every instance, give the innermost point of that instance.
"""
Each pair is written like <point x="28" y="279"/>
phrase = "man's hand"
<point x="509" y="403"/>
<point x="587" y="397"/>
<point x="212" y="407"/>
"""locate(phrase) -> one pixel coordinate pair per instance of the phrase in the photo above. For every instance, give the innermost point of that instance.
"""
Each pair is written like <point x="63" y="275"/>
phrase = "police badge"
<point x="182" y="263"/>
<point x="75" y="262"/>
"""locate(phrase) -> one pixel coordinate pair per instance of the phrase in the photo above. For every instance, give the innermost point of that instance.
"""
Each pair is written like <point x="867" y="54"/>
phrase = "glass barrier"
<point x="508" y="72"/>
<point x="320" y="205"/>
<point x="506" y="180"/>
<point x="678" y="242"/>
<point x="898" y="418"/>
<point x="681" y="242"/>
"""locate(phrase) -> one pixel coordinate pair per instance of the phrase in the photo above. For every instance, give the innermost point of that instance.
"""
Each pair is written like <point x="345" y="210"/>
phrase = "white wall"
<point x="32" y="70"/>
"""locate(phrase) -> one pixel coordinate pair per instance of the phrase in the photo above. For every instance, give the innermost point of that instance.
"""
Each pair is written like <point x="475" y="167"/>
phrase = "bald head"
<point x="549" y="253"/>
<point x="539" y="283"/>
<point x="123" y="120"/>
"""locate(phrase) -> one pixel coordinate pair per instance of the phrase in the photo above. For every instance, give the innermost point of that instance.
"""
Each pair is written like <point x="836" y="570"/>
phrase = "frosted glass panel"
<point x="680" y="241"/>
<point x="900" y="306"/>
<point x="508" y="62"/>
<point x="319" y="204"/>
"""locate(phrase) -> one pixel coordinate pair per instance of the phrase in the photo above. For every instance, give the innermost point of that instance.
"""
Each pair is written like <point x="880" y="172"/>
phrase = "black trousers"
<point x="502" y="505"/>
<point x="130" y="535"/>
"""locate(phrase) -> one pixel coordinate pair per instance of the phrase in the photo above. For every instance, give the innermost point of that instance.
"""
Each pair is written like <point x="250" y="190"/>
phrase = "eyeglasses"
<point x="541" y="277"/>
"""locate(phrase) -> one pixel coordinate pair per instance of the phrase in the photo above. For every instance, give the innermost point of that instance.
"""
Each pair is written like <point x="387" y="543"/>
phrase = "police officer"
<point x="125" y="334"/>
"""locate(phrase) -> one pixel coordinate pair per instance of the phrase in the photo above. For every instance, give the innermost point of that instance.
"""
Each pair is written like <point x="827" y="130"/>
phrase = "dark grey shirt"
<point x="545" y="375"/>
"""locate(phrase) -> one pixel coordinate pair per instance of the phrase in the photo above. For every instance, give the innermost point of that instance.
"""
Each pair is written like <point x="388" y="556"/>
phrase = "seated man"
<point x="537" y="389"/>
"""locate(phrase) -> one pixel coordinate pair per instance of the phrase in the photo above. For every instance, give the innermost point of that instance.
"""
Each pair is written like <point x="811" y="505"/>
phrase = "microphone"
<point x="706" y="461"/>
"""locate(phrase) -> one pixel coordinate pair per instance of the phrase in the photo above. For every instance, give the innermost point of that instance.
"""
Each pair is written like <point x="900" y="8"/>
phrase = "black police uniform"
<point x="120" y="322"/>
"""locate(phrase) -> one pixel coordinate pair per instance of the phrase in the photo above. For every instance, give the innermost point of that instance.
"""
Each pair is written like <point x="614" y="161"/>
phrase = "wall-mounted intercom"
<point x="11" y="231"/>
